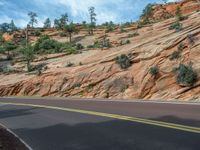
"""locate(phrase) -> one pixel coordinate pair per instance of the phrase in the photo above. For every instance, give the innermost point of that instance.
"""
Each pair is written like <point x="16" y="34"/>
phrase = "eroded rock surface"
<point x="101" y="77"/>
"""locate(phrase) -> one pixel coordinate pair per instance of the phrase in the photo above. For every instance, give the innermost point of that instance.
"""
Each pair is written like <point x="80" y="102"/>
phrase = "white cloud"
<point x="79" y="8"/>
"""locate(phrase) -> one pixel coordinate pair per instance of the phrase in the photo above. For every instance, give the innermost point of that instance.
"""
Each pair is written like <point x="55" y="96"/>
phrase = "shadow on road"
<point x="110" y="135"/>
<point x="15" y="112"/>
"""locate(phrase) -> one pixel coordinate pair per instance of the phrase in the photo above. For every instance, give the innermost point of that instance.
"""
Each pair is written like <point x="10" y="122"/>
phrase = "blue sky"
<point x="107" y="10"/>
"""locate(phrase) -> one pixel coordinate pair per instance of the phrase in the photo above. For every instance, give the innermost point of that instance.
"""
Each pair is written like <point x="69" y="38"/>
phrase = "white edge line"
<point x="16" y="136"/>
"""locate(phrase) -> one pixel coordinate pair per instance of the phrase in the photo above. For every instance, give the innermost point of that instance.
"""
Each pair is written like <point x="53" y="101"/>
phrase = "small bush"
<point x="154" y="71"/>
<point x="122" y="29"/>
<point x="50" y="46"/>
<point x="104" y="43"/>
<point x="6" y="69"/>
<point x="45" y="45"/>
<point x="68" y="48"/>
<point x="190" y="38"/>
<point x="123" y="61"/>
<point x="69" y="64"/>
<point x="133" y="35"/>
<point x="90" y="46"/>
<point x="80" y="63"/>
<point x="181" y="47"/>
<point x="79" y="46"/>
<point x="128" y="41"/>
<point x="174" y="55"/>
<point x="126" y="25"/>
<point x="186" y="75"/>
<point x="36" y="33"/>
<point x="177" y="26"/>
<point x="143" y="23"/>
<point x="122" y="42"/>
<point x="109" y="29"/>
<point x="76" y="85"/>
<point x="38" y="68"/>
<point x="62" y="34"/>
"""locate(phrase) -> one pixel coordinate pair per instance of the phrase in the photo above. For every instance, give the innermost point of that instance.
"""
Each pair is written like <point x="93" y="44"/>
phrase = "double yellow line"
<point x="115" y="116"/>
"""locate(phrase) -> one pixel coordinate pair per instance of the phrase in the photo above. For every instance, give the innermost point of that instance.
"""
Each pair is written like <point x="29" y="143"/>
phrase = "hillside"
<point x="95" y="73"/>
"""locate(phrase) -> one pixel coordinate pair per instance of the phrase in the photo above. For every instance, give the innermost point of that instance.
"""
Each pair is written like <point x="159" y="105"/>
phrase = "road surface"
<point x="55" y="124"/>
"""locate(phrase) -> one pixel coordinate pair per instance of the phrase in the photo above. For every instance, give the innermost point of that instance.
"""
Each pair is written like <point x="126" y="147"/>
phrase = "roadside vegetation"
<point x="186" y="76"/>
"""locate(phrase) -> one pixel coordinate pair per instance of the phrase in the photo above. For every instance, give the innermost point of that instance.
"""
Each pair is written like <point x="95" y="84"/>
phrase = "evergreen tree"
<point x="47" y="23"/>
<point x="33" y="18"/>
<point x="70" y="29"/>
<point x="28" y="54"/>
<point x="92" y="19"/>
<point x="12" y="26"/>
<point x="4" y="27"/>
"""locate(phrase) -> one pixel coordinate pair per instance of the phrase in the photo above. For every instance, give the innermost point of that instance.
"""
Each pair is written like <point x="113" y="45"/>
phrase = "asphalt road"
<point x="53" y="129"/>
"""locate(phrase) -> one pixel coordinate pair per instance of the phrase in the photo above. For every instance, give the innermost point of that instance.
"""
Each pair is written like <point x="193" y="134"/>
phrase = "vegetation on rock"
<point x="123" y="61"/>
<point x="186" y="75"/>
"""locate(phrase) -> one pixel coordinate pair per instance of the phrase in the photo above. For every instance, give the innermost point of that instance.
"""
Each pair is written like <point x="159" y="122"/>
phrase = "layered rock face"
<point x="101" y="77"/>
<point x="161" y="12"/>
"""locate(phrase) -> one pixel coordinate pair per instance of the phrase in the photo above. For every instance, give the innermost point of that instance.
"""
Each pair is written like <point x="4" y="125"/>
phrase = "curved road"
<point x="55" y="124"/>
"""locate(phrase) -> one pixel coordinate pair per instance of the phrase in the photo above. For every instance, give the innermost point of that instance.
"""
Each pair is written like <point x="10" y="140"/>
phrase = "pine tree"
<point x="47" y="23"/>
<point x="70" y="29"/>
<point x="92" y="19"/>
<point x="33" y="18"/>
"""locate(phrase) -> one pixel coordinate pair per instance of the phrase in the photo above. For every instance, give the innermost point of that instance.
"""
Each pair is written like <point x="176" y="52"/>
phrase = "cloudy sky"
<point x="107" y="10"/>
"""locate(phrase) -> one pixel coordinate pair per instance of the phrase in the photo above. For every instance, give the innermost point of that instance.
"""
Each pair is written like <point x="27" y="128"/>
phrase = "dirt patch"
<point x="9" y="142"/>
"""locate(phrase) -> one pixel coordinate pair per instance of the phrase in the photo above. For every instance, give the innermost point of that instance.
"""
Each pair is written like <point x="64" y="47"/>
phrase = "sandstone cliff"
<point x="101" y="77"/>
<point x="161" y="11"/>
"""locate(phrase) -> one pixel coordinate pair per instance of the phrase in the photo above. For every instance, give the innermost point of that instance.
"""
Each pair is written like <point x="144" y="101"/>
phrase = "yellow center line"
<point x="115" y="116"/>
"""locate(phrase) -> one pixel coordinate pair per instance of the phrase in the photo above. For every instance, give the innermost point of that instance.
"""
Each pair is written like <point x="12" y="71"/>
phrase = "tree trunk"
<point x="70" y="37"/>
<point x="8" y="55"/>
<point x="27" y="36"/>
<point x="28" y="66"/>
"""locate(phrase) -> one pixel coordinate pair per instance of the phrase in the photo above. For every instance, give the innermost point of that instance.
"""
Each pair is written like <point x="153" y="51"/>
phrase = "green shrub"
<point x="143" y="23"/>
<point x="6" y="69"/>
<point x="128" y="41"/>
<point x="154" y="71"/>
<point x="69" y="48"/>
<point x="122" y="29"/>
<point x="104" y="43"/>
<point x="110" y="26"/>
<point x="76" y="85"/>
<point x="177" y="26"/>
<point x="69" y="64"/>
<point x="133" y="35"/>
<point x="191" y="39"/>
<point x="80" y="63"/>
<point x="186" y="75"/>
<point x="36" y="33"/>
<point x="79" y="46"/>
<point x="90" y="46"/>
<point x="179" y="15"/>
<point x="38" y="68"/>
<point x="181" y="47"/>
<point x="62" y="34"/>
<point x="122" y="42"/>
<point x="50" y="46"/>
<point x="123" y="61"/>
<point x="45" y="45"/>
<point x="126" y="25"/>
<point x="174" y="55"/>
